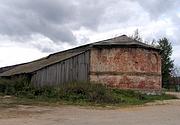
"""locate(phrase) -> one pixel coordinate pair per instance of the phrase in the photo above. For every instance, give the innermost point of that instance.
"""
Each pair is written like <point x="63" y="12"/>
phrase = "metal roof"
<point x="33" y="66"/>
<point x="123" y="41"/>
<point x="38" y="64"/>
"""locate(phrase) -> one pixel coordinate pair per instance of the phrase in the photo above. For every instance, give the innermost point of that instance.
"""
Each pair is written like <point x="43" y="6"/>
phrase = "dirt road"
<point x="166" y="114"/>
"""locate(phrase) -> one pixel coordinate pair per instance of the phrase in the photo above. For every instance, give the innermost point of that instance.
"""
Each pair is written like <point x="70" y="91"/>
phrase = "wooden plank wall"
<point x="72" y="69"/>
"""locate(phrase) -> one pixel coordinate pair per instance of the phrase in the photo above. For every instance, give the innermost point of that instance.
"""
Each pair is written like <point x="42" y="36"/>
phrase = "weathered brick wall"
<point x="128" y="68"/>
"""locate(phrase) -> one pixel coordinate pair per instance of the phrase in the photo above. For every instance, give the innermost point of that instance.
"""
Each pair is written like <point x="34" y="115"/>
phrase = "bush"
<point x="96" y="93"/>
<point x="74" y="92"/>
<point x="15" y="86"/>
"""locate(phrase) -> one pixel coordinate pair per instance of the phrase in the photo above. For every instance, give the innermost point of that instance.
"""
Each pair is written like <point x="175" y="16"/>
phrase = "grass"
<point x="22" y="92"/>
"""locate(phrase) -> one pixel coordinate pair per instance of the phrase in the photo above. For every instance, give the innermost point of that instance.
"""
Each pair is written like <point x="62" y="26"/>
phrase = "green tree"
<point x="167" y="63"/>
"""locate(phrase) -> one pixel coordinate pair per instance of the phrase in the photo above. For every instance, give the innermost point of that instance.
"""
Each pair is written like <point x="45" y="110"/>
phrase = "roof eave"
<point x="124" y="46"/>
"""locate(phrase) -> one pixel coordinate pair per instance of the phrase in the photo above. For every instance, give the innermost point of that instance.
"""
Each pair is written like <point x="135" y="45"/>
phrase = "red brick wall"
<point x="128" y="68"/>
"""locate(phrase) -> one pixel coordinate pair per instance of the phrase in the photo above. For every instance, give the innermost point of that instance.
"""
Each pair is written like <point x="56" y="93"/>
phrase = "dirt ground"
<point x="160" y="113"/>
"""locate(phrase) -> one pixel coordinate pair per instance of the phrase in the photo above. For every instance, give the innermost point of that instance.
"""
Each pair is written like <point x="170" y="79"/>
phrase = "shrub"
<point x="74" y="92"/>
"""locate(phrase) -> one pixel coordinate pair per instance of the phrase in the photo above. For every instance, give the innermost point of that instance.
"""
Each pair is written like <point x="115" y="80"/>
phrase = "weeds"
<point x="75" y="93"/>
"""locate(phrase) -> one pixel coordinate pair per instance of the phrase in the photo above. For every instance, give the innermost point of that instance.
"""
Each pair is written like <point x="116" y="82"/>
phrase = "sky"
<point x="31" y="29"/>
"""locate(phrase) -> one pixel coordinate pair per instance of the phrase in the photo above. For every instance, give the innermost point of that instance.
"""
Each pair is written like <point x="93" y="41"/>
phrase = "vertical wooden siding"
<point x="72" y="69"/>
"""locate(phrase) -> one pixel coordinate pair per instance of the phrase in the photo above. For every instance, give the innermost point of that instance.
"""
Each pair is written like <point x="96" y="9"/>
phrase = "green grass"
<point x="23" y="92"/>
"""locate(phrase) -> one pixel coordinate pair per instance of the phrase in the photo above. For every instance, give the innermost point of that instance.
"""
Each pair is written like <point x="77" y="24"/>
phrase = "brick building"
<point x="118" y="62"/>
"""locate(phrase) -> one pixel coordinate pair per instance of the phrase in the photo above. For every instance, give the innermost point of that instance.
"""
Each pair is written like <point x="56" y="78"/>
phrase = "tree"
<point x="175" y="79"/>
<point x="136" y="36"/>
<point x="175" y="71"/>
<point x="167" y="64"/>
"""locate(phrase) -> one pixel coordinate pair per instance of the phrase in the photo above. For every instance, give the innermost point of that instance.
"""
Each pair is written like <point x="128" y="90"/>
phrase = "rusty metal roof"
<point x="60" y="56"/>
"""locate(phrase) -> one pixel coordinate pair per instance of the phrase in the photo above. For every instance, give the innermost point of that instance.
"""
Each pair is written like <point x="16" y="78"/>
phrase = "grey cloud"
<point x="22" y="19"/>
<point x="119" y="12"/>
<point x="46" y="49"/>
<point x="55" y="19"/>
<point x="157" y="8"/>
<point x="176" y="22"/>
<point x="166" y="9"/>
<point x="90" y="12"/>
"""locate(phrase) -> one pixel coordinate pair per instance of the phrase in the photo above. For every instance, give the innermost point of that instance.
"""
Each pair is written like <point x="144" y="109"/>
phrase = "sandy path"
<point x="166" y="114"/>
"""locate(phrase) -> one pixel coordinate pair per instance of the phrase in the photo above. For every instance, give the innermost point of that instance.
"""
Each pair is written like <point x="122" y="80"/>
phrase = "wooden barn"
<point x="118" y="62"/>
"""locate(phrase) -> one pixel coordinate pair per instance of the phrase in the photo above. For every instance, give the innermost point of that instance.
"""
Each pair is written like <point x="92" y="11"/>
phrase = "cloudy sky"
<point x="30" y="29"/>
